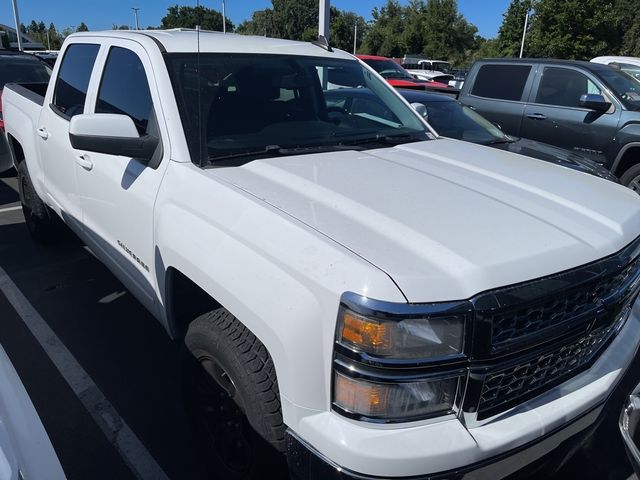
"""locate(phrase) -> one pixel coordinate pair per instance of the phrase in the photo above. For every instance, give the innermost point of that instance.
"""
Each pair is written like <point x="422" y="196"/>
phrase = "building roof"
<point x="28" y="43"/>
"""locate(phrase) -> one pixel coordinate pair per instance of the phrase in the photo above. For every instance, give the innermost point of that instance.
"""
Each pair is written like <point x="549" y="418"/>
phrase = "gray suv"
<point x="586" y="107"/>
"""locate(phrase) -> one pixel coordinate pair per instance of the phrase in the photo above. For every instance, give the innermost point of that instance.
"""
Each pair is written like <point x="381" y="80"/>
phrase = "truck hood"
<point x="447" y="219"/>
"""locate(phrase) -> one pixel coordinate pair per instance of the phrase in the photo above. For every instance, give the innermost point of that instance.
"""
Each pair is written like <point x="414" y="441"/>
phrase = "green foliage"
<point x="573" y="29"/>
<point x="447" y="34"/>
<point x="120" y="27"/>
<point x="190" y="17"/>
<point x="510" y="33"/>
<point x="385" y="35"/>
<point x="259" y="24"/>
<point x="47" y="36"/>
<point x="290" y="19"/>
<point x="298" y="20"/>
<point x="82" y="27"/>
<point x="343" y="28"/>
<point x="433" y="28"/>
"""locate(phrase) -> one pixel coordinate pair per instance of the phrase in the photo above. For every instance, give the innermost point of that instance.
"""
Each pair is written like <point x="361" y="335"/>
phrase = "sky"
<point x="101" y="15"/>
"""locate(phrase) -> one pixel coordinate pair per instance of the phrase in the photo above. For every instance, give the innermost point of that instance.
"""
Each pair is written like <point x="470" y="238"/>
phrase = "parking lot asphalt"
<point x="133" y="364"/>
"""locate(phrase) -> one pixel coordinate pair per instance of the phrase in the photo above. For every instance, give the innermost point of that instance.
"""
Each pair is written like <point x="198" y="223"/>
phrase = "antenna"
<point x="200" y="136"/>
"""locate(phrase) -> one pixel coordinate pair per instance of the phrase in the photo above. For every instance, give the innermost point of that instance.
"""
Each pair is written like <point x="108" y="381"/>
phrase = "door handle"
<point x="42" y="133"/>
<point x="537" y="116"/>
<point x="84" y="161"/>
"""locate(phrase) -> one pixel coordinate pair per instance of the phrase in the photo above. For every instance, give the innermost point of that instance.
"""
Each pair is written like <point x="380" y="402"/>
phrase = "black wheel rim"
<point x="222" y="422"/>
<point x="634" y="184"/>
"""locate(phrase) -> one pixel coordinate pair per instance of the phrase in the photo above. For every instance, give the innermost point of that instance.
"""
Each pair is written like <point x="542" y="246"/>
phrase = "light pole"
<point x="16" y="17"/>
<point x="135" y="14"/>
<point x="323" y="26"/>
<point x="355" y="36"/>
<point x="524" y="31"/>
<point x="224" y="17"/>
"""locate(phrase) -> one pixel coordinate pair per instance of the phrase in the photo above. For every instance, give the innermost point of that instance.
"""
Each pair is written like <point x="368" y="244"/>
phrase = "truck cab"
<point x="586" y="107"/>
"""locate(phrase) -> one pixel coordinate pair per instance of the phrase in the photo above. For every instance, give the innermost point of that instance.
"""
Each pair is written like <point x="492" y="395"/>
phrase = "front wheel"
<point x="232" y="398"/>
<point x="631" y="178"/>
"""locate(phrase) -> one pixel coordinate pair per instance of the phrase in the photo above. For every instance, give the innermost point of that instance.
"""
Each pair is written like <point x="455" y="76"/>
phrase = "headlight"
<point x="398" y="362"/>
<point x="402" y="338"/>
<point x="395" y="401"/>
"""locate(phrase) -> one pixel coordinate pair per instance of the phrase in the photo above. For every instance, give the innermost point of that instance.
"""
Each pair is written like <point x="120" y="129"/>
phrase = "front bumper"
<point x="536" y="437"/>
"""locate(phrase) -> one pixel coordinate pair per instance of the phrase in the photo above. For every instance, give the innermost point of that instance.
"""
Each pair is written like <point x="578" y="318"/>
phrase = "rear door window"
<point x="73" y="78"/>
<point x="564" y="87"/>
<point x="503" y="82"/>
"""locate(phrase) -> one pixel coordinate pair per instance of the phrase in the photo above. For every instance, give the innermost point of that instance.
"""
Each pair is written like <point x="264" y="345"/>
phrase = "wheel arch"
<point x="17" y="153"/>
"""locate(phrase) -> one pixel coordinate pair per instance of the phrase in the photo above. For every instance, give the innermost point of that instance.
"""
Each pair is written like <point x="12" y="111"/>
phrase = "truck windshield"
<point x="624" y="86"/>
<point x="239" y="107"/>
<point x="440" y="67"/>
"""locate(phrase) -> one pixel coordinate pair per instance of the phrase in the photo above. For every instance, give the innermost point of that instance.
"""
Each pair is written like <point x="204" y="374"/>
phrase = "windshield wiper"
<point x="499" y="141"/>
<point x="396" y="139"/>
<point x="277" y="150"/>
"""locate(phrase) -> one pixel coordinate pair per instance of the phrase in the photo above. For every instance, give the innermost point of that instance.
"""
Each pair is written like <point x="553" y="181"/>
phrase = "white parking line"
<point x="133" y="452"/>
<point x="10" y="209"/>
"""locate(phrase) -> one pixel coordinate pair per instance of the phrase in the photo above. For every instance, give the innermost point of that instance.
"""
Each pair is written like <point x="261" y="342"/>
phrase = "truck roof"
<point x="186" y="41"/>
<point x="553" y="61"/>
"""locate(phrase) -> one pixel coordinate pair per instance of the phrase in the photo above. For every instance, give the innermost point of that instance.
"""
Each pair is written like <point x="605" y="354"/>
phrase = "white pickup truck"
<point x="377" y="301"/>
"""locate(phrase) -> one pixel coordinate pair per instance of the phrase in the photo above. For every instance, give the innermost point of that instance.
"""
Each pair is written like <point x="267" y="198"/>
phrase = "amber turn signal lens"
<point x="365" y="334"/>
<point x="395" y="401"/>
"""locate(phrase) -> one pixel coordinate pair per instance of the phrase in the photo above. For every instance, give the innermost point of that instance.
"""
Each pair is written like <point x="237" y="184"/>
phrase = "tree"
<point x="343" y="28"/>
<point x="385" y="34"/>
<point x="628" y="28"/>
<point x="259" y="24"/>
<point x="447" y="34"/>
<point x="120" y="27"/>
<point x="190" y="17"/>
<point x="574" y="29"/>
<point x="82" y="27"/>
<point x="53" y="40"/>
<point x="510" y="33"/>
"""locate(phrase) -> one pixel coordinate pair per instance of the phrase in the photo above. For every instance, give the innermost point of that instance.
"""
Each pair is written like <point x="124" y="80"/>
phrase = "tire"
<point x="232" y="398"/>
<point x="631" y="178"/>
<point x="43" y="224"/>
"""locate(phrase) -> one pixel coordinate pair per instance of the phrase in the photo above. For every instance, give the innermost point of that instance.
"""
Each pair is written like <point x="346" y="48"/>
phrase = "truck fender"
<point x="251" y="286"/>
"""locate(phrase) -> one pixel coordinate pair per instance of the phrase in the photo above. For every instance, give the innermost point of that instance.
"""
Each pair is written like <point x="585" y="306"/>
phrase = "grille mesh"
<point x="504" y="388"/>
<point x="516" y="324"/>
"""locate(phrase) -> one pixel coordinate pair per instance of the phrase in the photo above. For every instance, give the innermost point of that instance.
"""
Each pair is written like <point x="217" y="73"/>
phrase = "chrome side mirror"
<point x="421" y="109"/>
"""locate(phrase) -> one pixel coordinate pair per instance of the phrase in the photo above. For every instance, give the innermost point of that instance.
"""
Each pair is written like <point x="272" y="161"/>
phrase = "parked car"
<point x="452" y="119"/>
<point x="629" y="65"/>
<point x="25" y="448"/>
<point x="426" y="69"/>
<point x="17" y="67"/>
<point x="371" y="299"/>
<point x="585" y="107"/>
<point x="49" y="57"/>
<point x="459" y="77"/>
<point x="396" y="75"/>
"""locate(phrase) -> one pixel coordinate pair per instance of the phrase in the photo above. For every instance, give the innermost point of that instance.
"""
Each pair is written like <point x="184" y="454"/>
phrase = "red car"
<point x="397" y="76"/>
